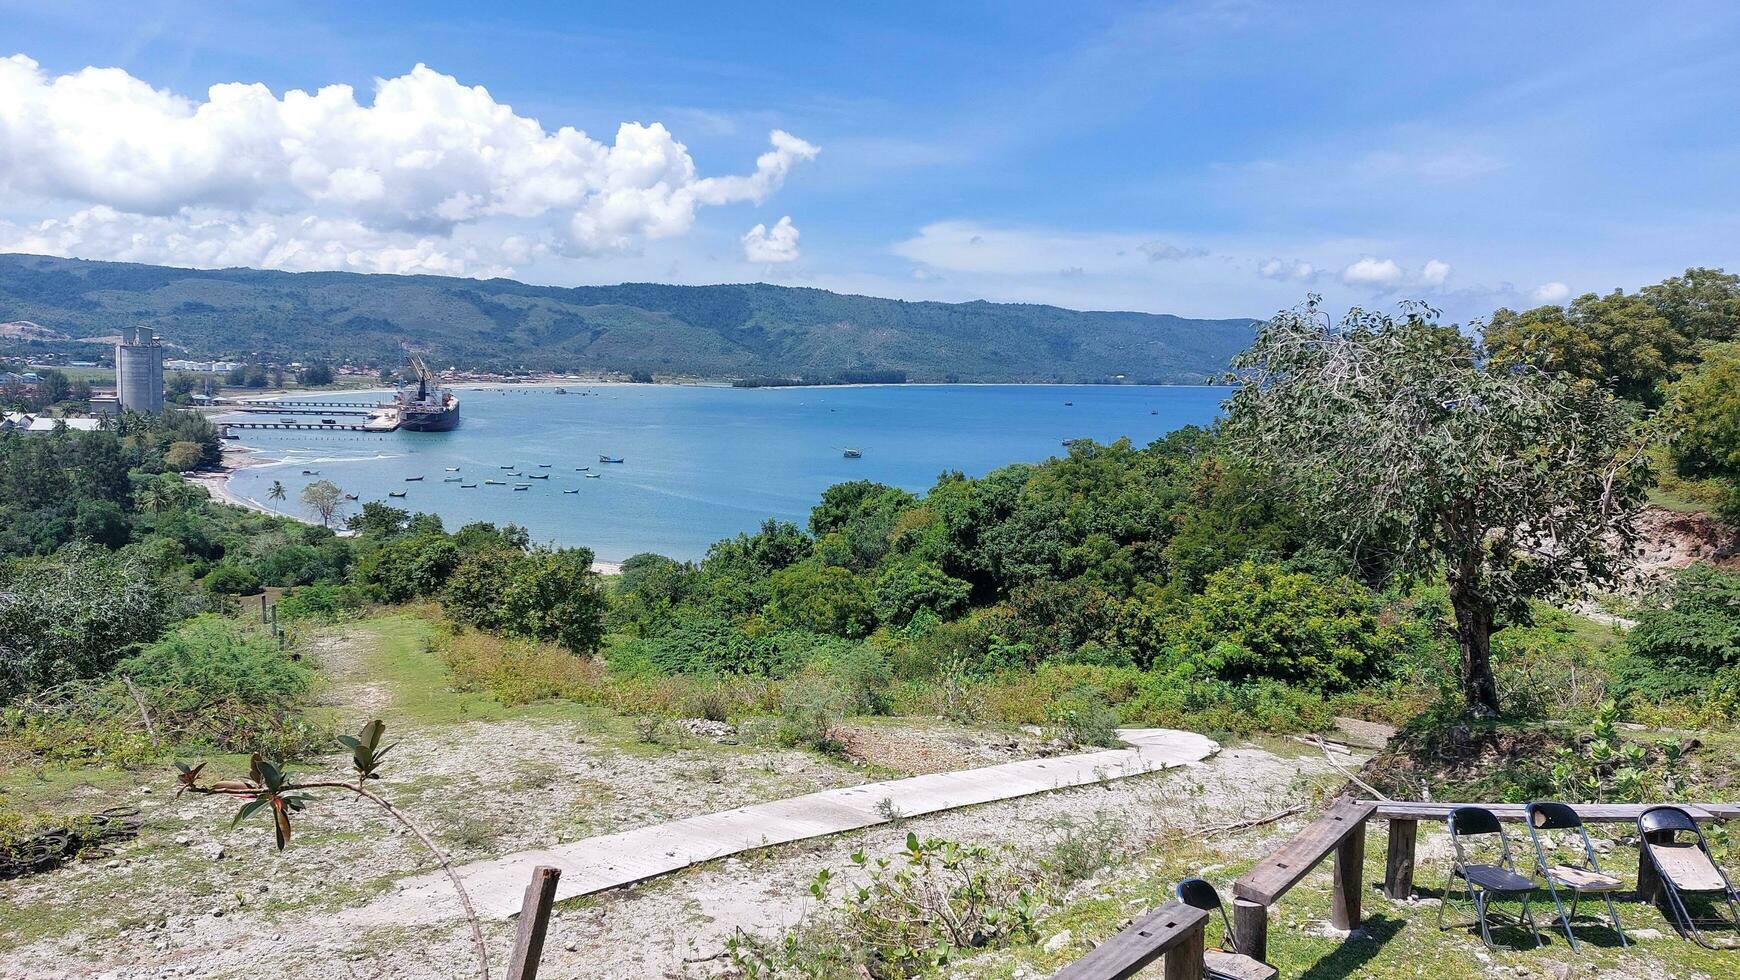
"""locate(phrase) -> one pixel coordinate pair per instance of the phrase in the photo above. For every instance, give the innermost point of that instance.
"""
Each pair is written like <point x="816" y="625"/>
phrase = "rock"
<point x="1058" y="941"/>
<point x="1560" y="971"/>
<point x="217" y="913"/>
<point x="571" y="946"/>
<point x="212" y="852"/>
<point x="1644" y="933"/>
<point x="183" y="840"/>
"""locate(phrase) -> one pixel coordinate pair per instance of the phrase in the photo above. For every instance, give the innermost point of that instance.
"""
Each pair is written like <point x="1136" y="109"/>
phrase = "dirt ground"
<point x="192" y="897"/>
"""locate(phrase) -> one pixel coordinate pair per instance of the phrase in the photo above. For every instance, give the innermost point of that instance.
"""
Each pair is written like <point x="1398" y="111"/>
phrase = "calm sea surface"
<point x="703" y="463"/>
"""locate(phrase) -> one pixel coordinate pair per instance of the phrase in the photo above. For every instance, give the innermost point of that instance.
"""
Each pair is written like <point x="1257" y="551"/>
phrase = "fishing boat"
<point x="412" y="479"/>
<point x="543" y="466"/>
<point x="571" y="491"/>
<point x="592" y="476"/>
<point x="610" y="459"/>
<point x="350" y="496"/>
<point x="1068" y="404"/>
<point x="581" y="469"/>
<point x="495" y="483"/>
<point x="539" y="476"/>
<point x="508" y="466"/>
<point x="395" y="493"/>
<point x="453" y="479"/>
<point x="452" y="469"/>
<point x="523" y="486"/>
<point x="852" y="454"/>
<point x="310" y="472"/>
<point x="468" y="486"/>
<point x="561" y="391"/>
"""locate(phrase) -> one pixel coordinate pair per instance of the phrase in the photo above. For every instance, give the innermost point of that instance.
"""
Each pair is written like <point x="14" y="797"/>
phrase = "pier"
<point x="276" y="404"/>
<point x="386" y="423"/>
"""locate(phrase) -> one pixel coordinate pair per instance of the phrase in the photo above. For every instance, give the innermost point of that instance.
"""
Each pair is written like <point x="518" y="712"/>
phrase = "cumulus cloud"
<point x="776" y="244"/>
<point x="1551" y="292"/>
<point x="1372" y="272"/>
<point x="392" y="178"/>
<point x="1280" y="270"/>
<point x="1434" y="272"/>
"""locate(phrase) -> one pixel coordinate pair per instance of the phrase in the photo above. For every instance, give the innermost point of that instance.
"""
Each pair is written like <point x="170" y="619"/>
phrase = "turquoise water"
<point x="704" y="463"/>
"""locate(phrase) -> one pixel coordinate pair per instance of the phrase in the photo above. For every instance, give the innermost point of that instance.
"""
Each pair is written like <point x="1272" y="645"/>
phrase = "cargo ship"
<point x="431" y="408"/>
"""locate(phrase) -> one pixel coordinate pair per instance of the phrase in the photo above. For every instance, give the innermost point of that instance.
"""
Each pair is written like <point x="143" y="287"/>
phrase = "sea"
<point x="700" y="463"/>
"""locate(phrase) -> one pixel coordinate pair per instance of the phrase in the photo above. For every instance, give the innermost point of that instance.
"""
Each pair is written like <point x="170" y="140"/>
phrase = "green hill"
<point x="712" y="331"/>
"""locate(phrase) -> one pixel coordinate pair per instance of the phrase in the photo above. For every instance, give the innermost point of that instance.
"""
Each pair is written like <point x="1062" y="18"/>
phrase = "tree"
<point x="545" y="594"/>
<point x="1619" y="340"/>
<point x="1702" y="305"/>
<point x="72" y="615"/>
<point x="1706" y="407"/>
<point x="316" y="373"/>
<point x="276" y="494"/>
<point x="323" y="498"/>
<point x="182" y="456"/>
<point x="1414" y="455"/>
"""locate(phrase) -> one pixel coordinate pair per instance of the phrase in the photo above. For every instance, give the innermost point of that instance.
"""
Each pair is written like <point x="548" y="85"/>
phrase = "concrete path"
<point x="600" y="863"/>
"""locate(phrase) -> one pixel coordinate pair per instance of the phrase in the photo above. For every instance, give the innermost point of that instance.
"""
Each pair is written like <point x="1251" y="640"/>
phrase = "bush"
<point x="210" y="660"/>
<point x="229" y="578"/>
<point x="908" y="587"/>
<point x="544" y="594"/>
<point x="1084" y="718"/>
<point x="320" y="603"/>
<point x="810" y="711"/>
<point x="1689" y="638"/>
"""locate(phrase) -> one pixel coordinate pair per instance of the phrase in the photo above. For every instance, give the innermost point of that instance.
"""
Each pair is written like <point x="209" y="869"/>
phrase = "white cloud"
<point x="1434" y="272"/>
<point x="1166" y="252"/>
<point x="776" y="244"/>
<point x="1279" y="270"/>
<point x="393" y="179"/>
<point x="1372" y="272"/>
<point x="1551" y="292"/>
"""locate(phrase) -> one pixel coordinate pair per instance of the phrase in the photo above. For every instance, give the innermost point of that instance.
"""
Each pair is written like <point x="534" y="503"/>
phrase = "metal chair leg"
<point x="1564" y="921"/>
<point x="1530" y="918"/>
<point x="1444" y="899"/>
<point x="1480" y="913"/>
<point x="1613" y="914"/>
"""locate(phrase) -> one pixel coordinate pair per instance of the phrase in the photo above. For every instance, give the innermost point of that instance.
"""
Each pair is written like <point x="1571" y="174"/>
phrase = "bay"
<point x="701" y="462"/>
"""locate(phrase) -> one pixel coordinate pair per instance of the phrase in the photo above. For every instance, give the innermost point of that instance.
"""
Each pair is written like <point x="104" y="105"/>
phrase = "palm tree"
<point x="275" y="492"/>
<point x="154" y="496"/>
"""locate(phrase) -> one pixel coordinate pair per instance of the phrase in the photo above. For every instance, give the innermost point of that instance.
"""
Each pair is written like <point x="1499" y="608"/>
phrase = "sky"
<point x="1207" y="158"/>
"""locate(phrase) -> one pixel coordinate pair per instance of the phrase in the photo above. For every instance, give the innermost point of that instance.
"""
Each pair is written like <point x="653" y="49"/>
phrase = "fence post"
<point x="1399" y="867"/>
<point x="534" y="919"/>
<point x="1349" y="870"/>
<point x="1251" y="923"/>
<point x="1648" y="883"/>
<point x="1184" y="961"/>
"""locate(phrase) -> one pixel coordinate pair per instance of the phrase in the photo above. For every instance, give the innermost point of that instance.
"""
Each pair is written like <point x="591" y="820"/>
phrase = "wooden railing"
<point x="1173" y="930"/>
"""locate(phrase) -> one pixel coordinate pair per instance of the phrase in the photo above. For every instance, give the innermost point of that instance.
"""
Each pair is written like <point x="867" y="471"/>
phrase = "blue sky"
<point x="1200" y="158"/>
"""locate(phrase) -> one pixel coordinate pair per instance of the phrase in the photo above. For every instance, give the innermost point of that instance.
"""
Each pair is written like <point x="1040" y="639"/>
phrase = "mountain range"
<point x="723" y="331"/>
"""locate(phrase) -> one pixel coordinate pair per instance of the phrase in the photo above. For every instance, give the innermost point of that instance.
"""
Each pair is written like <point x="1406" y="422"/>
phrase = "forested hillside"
<point x="714" y="331"/>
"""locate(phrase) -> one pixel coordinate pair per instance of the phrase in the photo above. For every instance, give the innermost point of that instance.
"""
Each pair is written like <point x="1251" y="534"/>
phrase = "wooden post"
<point x="1399" y="866"/>
<point x="1251" y="922"/>
<point x="1184" y="961"/>
<point x="534" y="919"/>
<point x="1349" y="872"/>
<point x="1648" y="883"/>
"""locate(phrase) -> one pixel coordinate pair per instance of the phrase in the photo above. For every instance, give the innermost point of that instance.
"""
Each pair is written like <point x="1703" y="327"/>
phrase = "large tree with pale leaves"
<point x="1398" y="438"/>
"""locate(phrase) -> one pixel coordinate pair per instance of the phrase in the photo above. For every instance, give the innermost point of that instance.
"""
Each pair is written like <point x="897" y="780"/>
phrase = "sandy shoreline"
<point x="217" y="483"/>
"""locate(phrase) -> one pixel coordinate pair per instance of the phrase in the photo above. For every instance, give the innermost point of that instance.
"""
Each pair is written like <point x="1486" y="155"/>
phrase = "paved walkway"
<point x="597" y="864"/>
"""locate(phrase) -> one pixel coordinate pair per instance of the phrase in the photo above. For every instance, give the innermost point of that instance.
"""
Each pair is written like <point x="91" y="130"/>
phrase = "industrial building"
<point x="139" y="370"/>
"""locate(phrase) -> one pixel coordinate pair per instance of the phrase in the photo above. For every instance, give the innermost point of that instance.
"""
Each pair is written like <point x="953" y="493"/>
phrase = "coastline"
<point x="217" y="483"/>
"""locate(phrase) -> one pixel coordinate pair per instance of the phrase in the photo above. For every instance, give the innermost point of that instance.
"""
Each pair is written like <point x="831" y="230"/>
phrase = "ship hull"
<point x="444" y="420"/>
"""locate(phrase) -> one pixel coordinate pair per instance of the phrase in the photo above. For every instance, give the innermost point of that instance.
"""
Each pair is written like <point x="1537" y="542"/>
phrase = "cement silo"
<point x="139" y="370"/>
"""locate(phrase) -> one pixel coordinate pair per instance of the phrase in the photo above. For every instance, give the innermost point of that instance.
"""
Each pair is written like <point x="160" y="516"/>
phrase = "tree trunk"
<point x="1474" y="617"/>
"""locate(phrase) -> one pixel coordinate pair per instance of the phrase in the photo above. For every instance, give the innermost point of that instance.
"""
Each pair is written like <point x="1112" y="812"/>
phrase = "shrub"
<point x="229" y="578"/>
<point x="909" y="587"/>
<point x="1083" y="717"/>
<point x="861" y="674"/>
<point x="1690" y="637"/>
<point x="543" y="594"/>
<point x="810" y="711"/>
<point x="320" y="603"/>
<point x="210" y="660"/>
<point x="820" y="599"/>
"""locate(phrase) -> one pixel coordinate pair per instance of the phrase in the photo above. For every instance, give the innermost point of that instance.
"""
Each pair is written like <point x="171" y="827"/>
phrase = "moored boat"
<point x="852" y="454"/>
<point x="395" y="493"/>
<point x="610" y="459"/>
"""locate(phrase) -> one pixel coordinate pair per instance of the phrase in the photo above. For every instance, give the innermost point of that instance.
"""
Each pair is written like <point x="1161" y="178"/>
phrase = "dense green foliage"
<point x="715" y="331"/>
<point x="1690" y="642"/>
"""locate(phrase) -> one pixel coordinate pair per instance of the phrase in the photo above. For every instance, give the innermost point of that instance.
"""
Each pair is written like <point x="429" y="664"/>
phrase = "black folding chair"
<point x="1483" y="882"/>
<point x="1684" y="867"/>
<point x="1220" y="964"/>
<point x="1578" y="877"/>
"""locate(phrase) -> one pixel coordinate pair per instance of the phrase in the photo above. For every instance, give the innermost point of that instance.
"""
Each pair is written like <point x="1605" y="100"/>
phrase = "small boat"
<point x="610" y="459"/>
<point x="571" y="491"/>
<point x="852" y="454"/>
<point x="516" y="473"/>
<point x="508" y="466"/>
<point x="581" y="469"/>
<point x="494" y="483"/>
<point x="453" y="479"/>
<point x="350" y="496"/>
<point x="412" y="479"/>
<point x="310" y="472"/>
<point x="523" y="486"/>
<point x="287" y="421"/>
<point x="561" y="391"/>
<point x="1068" y="442"/>
<point x="395" y="493"/>
<point x="592" y="476"/>
<point x="1155" y="412"/>
<point x="1068" y="404"/>
<point x="539" y="476"/>
<point x="543" y="466"/>
<point x="468" y="486"/>
<point x="328" y="421"/>
<point x="452" y="469"/>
